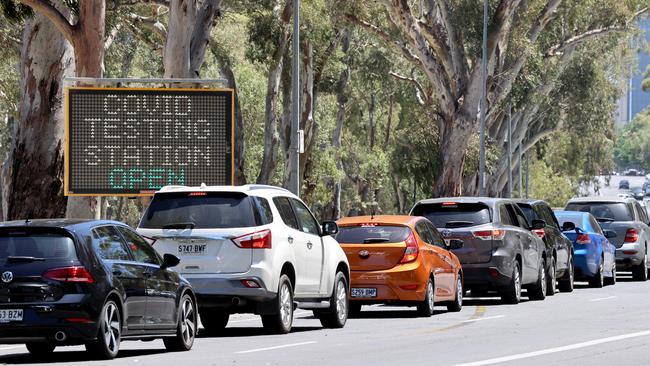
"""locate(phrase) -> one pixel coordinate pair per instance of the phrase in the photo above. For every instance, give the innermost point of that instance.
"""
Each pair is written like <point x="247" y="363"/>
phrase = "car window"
<point x="109" y="244"/>
<point x="142" y="251"/>
<point x="595" y="226"/>
<point x="504" y="215"/>
<point x="641" y="213"/>
<point x="263" y="210"/>
<point x="286" y="212"/>
<point x="437" y="238"/>
<point x="617" y="211"/>
<point x="519" y="217"/>
<point x="423" y="232"/>
<point x="372" y="233"/>
<point x="308" y="223"/>
<point x="529" y="211"/>
<point x="42" y="244"/>
<point x="551" y="215"/>
<point x="454" y="214"/>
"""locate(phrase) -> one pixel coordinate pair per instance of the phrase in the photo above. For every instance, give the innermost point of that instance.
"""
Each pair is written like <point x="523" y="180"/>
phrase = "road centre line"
<point x="547" y="351"/>
<point x="481" y="319"/>
<point x="275" y="347"/>
<point x="603" y="298"/>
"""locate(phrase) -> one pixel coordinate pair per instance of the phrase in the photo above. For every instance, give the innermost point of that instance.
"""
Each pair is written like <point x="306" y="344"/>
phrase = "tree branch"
<point x="422" y="96"/>
<point x="387" y="38"/>
<point x="150" y="23"/>
<point x="54" y="15"/>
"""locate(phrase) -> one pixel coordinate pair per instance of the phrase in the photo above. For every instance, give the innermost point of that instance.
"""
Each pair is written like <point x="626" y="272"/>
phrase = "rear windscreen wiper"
<point x="375" y="240"/>
<point x="17" y="258"/>
<point x="455" y="224"/>
<point x="604" y="219"/>
<point x="180" y="225"/>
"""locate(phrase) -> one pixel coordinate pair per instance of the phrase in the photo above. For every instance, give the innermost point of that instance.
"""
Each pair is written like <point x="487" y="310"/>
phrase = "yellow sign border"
<point x="66" y="142"/>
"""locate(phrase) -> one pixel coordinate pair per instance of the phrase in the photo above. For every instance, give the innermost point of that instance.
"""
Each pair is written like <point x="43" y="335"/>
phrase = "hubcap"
<point x="459" y="292"/>
<point x="286" y="307"/>
<point x="543" y="278"/>
<point x="430" y="295"/>
<point x="600" y="271"/>
<point x="112" y="328"/>
<point x="341" y="300"/>
<point x="553" y="282"/>
<point x="517" y="285"/>
<point x="188" y="321"/>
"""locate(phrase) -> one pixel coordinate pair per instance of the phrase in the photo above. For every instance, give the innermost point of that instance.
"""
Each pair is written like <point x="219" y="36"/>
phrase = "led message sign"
<point x="125" y="141"/>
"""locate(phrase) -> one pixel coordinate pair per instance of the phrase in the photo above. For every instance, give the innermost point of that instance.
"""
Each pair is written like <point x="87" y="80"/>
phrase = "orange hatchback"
<point x="400" y="260"/>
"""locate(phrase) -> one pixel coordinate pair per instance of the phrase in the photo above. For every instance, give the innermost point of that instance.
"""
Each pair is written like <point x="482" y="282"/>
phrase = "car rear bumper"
<point x="209" y="288"/>
<point x="491" y="275"/>
<point x="629" y="255"/>
<point x="405" y="282"/>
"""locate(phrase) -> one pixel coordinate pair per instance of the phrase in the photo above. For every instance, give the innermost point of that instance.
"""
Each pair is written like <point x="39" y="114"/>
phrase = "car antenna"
<point x="27" y="220"/>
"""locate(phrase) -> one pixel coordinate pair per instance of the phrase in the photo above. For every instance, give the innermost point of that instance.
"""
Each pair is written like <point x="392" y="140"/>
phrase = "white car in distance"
<point x="251" y="249"/>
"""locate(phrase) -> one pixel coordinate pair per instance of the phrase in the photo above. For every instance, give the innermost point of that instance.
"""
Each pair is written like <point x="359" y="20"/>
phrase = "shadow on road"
<point x="249" y="332"/>
<point x="407" y="313"/>
<point x="71" y="356"/>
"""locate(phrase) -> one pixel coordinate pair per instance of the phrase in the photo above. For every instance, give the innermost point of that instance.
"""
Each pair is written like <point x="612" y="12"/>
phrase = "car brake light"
<point x="195" y="194"/>
<point x="409" y="287"/>
<point x="631" y="236"/>
<point x="583" y="239"/>
<point x="412" y="250"/>
<point x="489" y="234"/>
<point x="256" y="240"/>
<point x="539" y="232"/>
<point x="69" y="274"/>
<point x="250" y="283"/>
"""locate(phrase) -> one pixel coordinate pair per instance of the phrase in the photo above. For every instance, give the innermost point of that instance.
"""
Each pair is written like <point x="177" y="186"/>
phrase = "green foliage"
<point x="545" y="184"/>
<point x="633" y="143"/>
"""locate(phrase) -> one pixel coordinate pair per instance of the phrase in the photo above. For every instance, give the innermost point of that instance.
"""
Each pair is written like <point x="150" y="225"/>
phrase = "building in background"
<point x="635" y="99"/>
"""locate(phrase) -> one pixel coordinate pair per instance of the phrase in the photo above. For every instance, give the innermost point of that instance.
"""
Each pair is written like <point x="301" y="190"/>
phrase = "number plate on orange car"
<point x="363" y="292"/>
<point x="11" y="315"/>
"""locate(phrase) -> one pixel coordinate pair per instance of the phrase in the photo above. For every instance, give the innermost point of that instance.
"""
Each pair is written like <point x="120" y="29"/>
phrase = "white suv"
<point x="251" y="249"/>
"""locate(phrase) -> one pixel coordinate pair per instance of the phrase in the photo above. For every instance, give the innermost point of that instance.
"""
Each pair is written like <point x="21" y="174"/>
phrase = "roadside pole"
<point x="294" y="148"/>
<point x="481" y="179"/>
<point x="509" y="151"/>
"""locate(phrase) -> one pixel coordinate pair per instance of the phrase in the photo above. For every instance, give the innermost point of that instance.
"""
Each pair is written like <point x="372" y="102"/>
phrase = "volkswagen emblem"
<point x="364" y="254"/>
<point x="7" y="277"/>
<point x="446" y="233"/>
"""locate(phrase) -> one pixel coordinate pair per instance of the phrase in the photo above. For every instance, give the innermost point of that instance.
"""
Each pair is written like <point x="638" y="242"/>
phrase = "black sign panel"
<point x="134" y="141"/>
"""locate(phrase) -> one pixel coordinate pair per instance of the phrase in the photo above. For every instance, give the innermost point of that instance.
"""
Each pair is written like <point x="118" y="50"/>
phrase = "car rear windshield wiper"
<point x="604" y="219"/>
<point x="456" y="224"/>
<point x="180" y="225"/>
<point x="18" y="258"/>
<point x="375" y="240"/>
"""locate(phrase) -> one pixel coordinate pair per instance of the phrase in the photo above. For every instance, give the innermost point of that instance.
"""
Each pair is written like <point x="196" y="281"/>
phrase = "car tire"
<point x="609" y="281"/>
<point x="640" y="271"/>
<point x="551" y="280"/>
<point x="457" y="304"/>
<point x="337" y="315"/>
<point x="107" y="344"/>
<point x="214" y="321"/>
<point x="512" y="293"/>
<point x="281" y="320"/>
<point x="186" y="329"/>
<point x="40" y="349"/>
<point x="425" y="308"/>
<point x="598" y="279"/>
<point x="565" y="284"/>
<point x="538" y="290"/>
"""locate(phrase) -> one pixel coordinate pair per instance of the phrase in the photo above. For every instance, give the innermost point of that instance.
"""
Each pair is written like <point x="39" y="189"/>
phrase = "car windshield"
<point x="453" y="214"/>
<point x="616" y="211"/>
<point x="40" y="246"/>
<point x="199" y="211"/>
<point x="372" y="234"/>
<point x="637" y="190"/>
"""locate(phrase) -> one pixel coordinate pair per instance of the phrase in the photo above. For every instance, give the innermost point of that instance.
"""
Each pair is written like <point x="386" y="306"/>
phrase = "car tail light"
<point x="629" y="252"/>
<point x="631" y="236"/>
<point x="197" y="194"/>
<point x="583" y="239"/>
<point x="69" y="274"/>
<point x="412" y="250"/>
<point x="79" y="320"/>
<point x="250" y="283"/>
<point x="540" y="232"/>
<point x="409" y="287"/>
<point x="489" y="234"/>
<point x="256" y="240"/>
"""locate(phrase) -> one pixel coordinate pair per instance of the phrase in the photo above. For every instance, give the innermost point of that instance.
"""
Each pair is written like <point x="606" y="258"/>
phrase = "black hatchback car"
<point x="72" y="282"/>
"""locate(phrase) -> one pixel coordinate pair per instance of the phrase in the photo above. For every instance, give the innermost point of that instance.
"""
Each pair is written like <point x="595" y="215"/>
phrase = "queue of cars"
<point x="259" y="249"/>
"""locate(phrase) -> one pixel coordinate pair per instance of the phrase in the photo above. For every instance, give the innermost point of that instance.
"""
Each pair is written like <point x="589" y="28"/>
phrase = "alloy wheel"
<point x="188" y="321"/>
<point x="543" y="278"/>
<point x="430" y="295"/>
<point x="112" y="328"/>
<point x="341" y="301"/>
<point x="286" y="306"/>
<point x="459" y="291"/>
<point x="517" y="286"/>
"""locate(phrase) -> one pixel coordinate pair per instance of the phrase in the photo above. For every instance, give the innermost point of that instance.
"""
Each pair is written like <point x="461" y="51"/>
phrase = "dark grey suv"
<point x="500" y="252"/>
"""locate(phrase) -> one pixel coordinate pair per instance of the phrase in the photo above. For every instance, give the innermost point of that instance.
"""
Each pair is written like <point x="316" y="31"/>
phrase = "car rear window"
<point x="452" y="215"/>
<point x="203" y="211"/>
<point x="43" y="246"/>
<point x="372" y="234"/>
<point x="528" y="212"/>
<point x="616" y="211"/>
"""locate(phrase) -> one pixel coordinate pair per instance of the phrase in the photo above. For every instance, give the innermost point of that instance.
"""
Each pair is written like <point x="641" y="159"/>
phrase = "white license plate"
<point x="192" y="249"/>
<point x="363" y="292"/>
<point x="11" y="315"/>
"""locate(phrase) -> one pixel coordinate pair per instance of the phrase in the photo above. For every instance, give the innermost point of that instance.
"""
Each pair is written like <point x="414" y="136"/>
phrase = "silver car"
<point x="500" y="253"/>
<point x="629" y="220"/>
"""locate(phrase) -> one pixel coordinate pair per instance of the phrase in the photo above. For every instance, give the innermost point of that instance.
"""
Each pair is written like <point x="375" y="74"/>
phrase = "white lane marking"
<point x="257" y="318"/>
<point x="9" y="348"/>
<point x="603" y="298"/>
<point x="276" y="347"/>
<point x="486" y="318"/>
<point x="547" y="351"/>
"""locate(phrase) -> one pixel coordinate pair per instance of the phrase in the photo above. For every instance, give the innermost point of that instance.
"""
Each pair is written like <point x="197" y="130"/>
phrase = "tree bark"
<point x="33" y="172"/>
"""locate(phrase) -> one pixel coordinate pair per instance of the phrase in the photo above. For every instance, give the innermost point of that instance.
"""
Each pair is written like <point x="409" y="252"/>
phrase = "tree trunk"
<point x="240" y="142"/>
<point x="176" y="59"/>
<point x="33" y="173"/>
<point x="453" y="145"/>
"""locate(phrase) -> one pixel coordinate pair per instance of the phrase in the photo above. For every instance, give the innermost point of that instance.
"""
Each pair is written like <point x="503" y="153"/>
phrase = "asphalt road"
<point x="608" y="326"/>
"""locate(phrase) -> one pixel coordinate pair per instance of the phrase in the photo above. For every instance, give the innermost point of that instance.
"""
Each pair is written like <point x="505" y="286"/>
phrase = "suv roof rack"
<point x="254" y="187"/>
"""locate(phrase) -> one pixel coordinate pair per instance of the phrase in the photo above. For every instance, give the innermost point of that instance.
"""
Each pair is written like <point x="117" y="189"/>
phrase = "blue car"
<point x="594" y="255"/>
